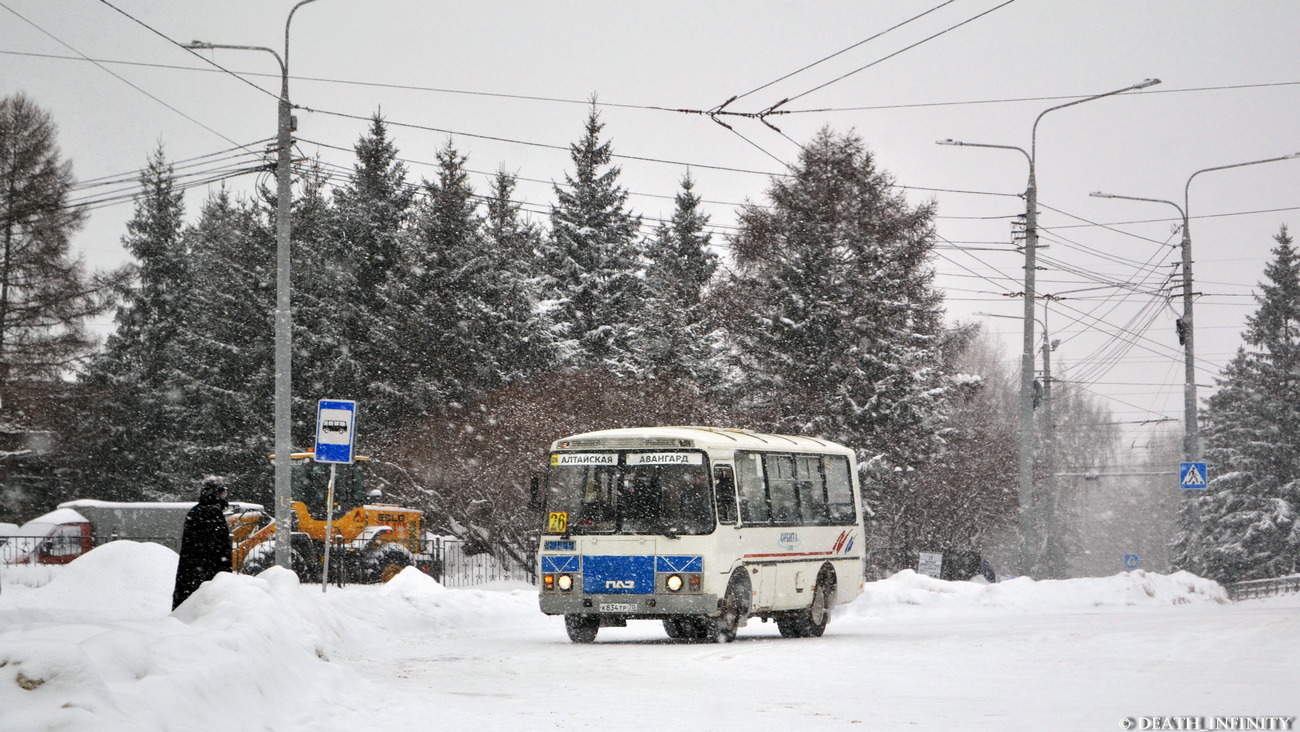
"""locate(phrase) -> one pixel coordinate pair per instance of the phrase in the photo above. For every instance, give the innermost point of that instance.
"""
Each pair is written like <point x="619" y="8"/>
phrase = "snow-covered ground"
<point x="93" y="646"/>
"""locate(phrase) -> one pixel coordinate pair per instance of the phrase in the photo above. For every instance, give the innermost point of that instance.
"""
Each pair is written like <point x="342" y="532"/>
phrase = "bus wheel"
<point x="581" y="628"/>
<point x="734" y="608"/>
<point x="676" y="628"/>
<point x="811" y="622"/>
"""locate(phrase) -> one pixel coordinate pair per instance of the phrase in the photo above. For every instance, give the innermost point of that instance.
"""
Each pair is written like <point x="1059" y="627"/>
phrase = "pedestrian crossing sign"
<point x="1193" y="476"/>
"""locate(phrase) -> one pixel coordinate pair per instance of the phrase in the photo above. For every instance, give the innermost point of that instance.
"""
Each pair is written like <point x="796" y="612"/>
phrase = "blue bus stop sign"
<point x="335" y="430"/>
<point x="1193" y="476"/>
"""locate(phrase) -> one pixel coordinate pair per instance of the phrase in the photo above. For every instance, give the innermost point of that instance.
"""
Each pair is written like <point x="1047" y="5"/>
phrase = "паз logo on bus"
<point x="620" y="584"/>
<point x="788" y="540"/>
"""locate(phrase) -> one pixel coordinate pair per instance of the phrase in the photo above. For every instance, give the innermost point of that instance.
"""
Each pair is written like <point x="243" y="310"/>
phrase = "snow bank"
<point x="121" y="580"/>
<point x="95" y="647"/>
<point x="98" y="648"/>
<point x="909" y="592"/>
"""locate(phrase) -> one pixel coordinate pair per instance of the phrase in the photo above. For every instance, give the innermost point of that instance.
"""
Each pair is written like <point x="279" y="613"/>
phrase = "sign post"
<point x="335" y="437"/>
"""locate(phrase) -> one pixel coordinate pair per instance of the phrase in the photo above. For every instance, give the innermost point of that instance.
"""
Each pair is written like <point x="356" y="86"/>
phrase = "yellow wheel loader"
<point x="369" y="541"/>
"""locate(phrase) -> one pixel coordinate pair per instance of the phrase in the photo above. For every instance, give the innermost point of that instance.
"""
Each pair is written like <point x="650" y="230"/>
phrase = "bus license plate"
<point x="618" y="607"/>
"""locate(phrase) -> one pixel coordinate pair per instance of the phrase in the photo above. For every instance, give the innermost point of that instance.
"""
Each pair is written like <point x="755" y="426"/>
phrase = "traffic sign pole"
<point x="336" y="421"/>
<point x="329" y="528"/>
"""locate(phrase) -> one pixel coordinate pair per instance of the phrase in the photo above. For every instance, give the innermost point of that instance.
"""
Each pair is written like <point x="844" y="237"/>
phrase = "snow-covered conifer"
<point x="130" y="429"/>
<point x="1245" y="525"/>
<point x="836" y="324"/>
<point x="594" y="289"/>
<point x="677" y="340"/>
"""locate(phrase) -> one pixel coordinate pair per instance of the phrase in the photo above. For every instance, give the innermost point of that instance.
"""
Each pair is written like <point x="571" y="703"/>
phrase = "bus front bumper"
<point x="628" y="606"/>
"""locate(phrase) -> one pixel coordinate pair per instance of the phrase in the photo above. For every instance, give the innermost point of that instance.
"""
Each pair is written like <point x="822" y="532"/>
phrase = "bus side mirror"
<point x="535" y="492"/>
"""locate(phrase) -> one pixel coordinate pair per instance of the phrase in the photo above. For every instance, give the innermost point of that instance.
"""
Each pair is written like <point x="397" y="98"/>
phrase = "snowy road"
<point x="94" y="647"/>
<point x="932" y="668"/>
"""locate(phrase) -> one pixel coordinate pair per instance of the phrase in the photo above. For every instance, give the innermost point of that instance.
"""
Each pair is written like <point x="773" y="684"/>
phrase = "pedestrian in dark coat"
<point x="205" y="541"/>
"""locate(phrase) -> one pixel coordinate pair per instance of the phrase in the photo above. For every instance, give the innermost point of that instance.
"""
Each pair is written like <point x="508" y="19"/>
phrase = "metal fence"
<point x="458" y="568"/>
<point x="19" y="548"/>
<point x="1252" y="589"/>
<point x="453" y="566"/>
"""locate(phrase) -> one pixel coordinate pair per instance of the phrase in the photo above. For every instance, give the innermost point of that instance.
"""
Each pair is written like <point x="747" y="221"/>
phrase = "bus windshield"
<point x="632" y="493"/>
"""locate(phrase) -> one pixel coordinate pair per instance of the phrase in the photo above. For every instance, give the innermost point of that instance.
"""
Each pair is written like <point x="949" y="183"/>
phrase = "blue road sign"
<point x="335" y="430"/>
<point x="1130" y="561"/>
<point x="1193" y="476"/>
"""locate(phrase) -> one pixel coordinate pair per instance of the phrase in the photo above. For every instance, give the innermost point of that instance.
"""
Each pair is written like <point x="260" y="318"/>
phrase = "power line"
<point x="611" y="105"/>
<point x="620" y="156"/>
<point x="1193" y="218"/>
<point x="1016" y="100"/>
<point x="833" y="55"/>
<point x="886" y="58"/>
<point x="188" y="50"/>
<point x="114" y="74"/>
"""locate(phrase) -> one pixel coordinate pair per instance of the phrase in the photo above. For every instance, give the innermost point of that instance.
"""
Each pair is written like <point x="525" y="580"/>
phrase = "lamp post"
<point x="283" y="317"/>
<point x="1187" y="334"/>
<point x="1026" y="463"/>
<point x="1049" y="431"/>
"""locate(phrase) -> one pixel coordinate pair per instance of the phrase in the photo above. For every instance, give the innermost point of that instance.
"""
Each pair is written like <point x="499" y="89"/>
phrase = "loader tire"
<point x="385" y="561"/>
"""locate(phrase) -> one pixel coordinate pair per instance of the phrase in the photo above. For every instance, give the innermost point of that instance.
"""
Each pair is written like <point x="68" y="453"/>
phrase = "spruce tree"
<point x="676" y="340"/>
<point x="434" y="358"/>
<point x="524" y="344"/>
<point x="371" y="211"/>
<point x="369" y="220"/>
<point x="844" y="333"/>
<point x="1244" y="526"/>
<point x="594" y="289"/>
<point x="227" y="367"/>
<point x="836" y="325"/>
<point x="131" y="429"/>
<point x="324" y="363"/>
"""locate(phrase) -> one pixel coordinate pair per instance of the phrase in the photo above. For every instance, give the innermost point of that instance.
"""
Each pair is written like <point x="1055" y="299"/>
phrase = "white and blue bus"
<point x="700" y="528"/>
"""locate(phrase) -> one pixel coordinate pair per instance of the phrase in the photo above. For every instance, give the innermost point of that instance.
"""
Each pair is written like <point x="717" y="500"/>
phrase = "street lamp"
<point x="1027" y="353"/>
<point x="283" y="317"/>
<point x="1191" y="423"/>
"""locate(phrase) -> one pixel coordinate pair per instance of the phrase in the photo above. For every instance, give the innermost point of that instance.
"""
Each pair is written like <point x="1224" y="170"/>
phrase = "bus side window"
<point x="781" y="488"/>
<point x="839" y="490"/>
<point x="753" y="490"/>
<point x="811" y="490"/>
<point x="724" y="486"/>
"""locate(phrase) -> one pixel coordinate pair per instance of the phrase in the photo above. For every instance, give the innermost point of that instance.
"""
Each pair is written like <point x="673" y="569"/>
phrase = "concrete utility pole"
<point x="1028" y="540"/>
<point x="1052" y="532"/>
<point x="283" y="316"/>
<point x="1049" y="431"/>
<point x="1186" y="330"/>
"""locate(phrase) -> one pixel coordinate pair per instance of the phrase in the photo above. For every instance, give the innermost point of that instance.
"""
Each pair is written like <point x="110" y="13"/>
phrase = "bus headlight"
<point x="565" y="582"/>
<point x="674" y="583"/>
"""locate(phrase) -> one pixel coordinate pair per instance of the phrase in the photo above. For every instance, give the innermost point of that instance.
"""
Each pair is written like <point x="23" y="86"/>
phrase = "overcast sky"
<point x="509" y="84"/>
